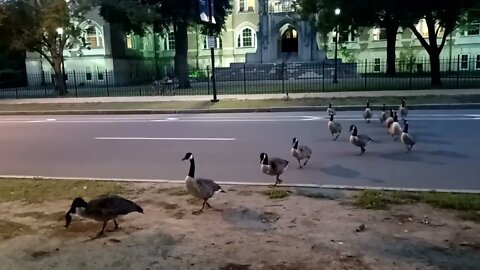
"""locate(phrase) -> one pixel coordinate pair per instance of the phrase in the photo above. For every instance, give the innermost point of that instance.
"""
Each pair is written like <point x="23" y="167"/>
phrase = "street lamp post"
<point x="60" y="32"/>
<point x="335" y="77"/>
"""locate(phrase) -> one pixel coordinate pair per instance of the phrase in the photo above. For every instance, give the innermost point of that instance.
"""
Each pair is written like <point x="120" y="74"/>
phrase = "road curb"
<point x="462" y="106"/>
<point x="181" y="182"/>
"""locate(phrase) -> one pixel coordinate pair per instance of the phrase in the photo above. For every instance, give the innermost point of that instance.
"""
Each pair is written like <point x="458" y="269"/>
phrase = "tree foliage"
<point x="355" y="15"/>
<point x="441" y="17"/>
<point x="32" y="26"/>
<point x="171" y="15"/>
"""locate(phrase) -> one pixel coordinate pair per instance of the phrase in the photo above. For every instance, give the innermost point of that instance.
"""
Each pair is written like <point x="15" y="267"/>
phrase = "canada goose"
<point x="403" y="111"/>
<point x="383" y="115"/>
<point x="395" y="129"/>
<point x="330" y="110"/>
<point x="407" y="138"/>
<point x="199" y="187"/>
<point x="367" y="114"/>
<point x="389" y="120"/>
<point x="359" y="140"/>
<point x="102" y="209"/>
<point x="273" y="166"/>
<point x="335" y="128"/>
<point x="300" y="152"/>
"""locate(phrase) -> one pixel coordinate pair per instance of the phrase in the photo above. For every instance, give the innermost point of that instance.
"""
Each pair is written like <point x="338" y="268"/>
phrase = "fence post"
<point x="458" y="70"/>
<point x="75" y="83"/>
<point x="208" y="81"/>
<point x="44" y="83"/>
<point x="244" y="79"/>
<point x="283" y="77"/>
<point x="106" y="81"/>
<point x="16" y="92"/>
<point x="365" y="73"/>
<point x="411" y="73"/>
<point x="323" y="76"/>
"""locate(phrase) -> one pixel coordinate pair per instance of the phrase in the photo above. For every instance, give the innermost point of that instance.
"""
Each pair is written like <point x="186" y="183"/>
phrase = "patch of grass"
<point x="178" y="192"/>
<point x="470" y="215"/>
<point x="10" y="229"/>
<point x="35" y="191"/>
<point x="277" y="193"/>
<point x="371" y="200"/>
<point x="224" y="104"/>
<point x="468" y="205"/>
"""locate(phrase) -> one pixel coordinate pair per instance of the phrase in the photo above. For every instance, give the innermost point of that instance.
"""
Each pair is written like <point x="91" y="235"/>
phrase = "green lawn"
<point x="239" y="104"/>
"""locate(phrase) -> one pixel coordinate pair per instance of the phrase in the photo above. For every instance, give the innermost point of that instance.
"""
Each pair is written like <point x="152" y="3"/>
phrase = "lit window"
<point x="245" y="5"/>
<point x="246" y="38"/>
<point x="129" y="41"/>
<point x="169" y="42"/>
<point x="94" y="37"/>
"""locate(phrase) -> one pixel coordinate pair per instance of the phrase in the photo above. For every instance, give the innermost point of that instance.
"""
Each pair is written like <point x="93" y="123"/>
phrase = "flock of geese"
<point x="110" y="207"/>
<point x="390" y="121"/>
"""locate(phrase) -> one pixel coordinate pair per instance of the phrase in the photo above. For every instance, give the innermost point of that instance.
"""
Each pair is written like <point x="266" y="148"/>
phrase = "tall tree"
<point x="356" y="14"/>
<point x="45" y="27"/>
<point x="171" y="15"/>
<point x="441" y="17"/>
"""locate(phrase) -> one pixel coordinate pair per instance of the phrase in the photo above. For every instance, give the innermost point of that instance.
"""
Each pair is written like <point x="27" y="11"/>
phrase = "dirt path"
<point x="252" y="232"/>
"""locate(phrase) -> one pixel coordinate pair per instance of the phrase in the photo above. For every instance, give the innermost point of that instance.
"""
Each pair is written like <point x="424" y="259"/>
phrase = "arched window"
<point x="94" y="37"/>
<point x="246" y="38"/>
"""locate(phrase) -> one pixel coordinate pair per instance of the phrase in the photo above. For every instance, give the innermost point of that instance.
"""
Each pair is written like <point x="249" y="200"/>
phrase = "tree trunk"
<point x="181" y="54"/>
<point x="60" y="86"/>
<point x="391" y="29"/>
<point x="435" y="75"/>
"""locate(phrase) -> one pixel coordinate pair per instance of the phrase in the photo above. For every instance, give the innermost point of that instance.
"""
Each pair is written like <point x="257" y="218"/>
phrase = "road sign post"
<point x="206" y="15"/>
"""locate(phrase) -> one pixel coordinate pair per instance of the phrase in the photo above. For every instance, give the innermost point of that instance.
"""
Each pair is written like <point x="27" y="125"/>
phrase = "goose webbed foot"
<point x="305" y="163"/>
<point x="362" y="151"/>
<point x="278" y="180"/>
<point x="299" y="164"/>
<point x="197" y="212"/>
<point x="101" y="233"/>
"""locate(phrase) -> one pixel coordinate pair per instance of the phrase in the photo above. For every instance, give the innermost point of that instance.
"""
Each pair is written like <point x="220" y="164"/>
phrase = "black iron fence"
<point x="242" y="78"/>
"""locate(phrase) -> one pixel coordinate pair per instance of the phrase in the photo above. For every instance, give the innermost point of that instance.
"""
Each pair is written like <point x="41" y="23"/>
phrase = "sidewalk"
<point x="400" y="93"/>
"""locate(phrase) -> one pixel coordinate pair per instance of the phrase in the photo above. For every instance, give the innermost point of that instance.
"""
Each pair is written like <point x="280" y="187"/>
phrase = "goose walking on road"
<point x="403" y="111"/>
<point x="395" y="130"/>
<point x="273" y="166"/>
<point x="300" y="152"/>
<point x="334" y="127"/>
<point x="406" y="138"/>
<point x="359" y="140"/>
<point x="383" y="115"/>
<point x="367" y="114"/>
<point x="330" y="110"/>
<point x="200" y="188"/>
<point x="389" y="120"/>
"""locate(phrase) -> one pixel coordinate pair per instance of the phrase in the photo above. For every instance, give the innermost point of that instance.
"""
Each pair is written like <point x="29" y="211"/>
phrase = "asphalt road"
<point x="227" y="147"/>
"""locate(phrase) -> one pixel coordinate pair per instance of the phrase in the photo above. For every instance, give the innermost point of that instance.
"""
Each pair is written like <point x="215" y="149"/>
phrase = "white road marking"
<point x="165" y="139"/>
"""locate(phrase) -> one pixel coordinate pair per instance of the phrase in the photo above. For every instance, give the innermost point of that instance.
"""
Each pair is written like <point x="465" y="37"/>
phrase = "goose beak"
<point x="184" y="159"/>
